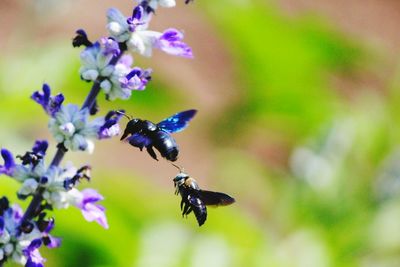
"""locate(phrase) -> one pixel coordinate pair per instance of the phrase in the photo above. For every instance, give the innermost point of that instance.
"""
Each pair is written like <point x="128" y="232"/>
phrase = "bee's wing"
<point x="177" y="122"/>
<point x="139" y="140"/>
<point x="215" y="198"/>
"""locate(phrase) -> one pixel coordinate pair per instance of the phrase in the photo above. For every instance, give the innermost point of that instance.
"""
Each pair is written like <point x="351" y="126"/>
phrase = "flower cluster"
<point x="117" y="81"/>
<point x="70" y="125"/>
<point x="103" y="60"/>
<point x="133" y="31"/>
<point x="57" y="184"/>
<point x="20" y="241"/>
<point x="107" y="64"/>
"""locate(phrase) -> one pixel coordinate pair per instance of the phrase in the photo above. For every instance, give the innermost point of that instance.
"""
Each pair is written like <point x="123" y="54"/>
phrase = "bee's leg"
<point x="186" y="209"/>
<point x="151" y="152"/>
<point x="189" y="211"/>
<point x="182" y="204"/>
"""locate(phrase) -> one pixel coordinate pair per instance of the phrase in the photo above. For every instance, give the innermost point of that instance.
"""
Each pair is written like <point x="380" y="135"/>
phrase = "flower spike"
<point x="105" y="63"/>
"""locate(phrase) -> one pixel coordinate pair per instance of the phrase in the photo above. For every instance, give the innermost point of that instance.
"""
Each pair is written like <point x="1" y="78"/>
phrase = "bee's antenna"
<point x="181" y="169"/>
<point x="124" y="114"/>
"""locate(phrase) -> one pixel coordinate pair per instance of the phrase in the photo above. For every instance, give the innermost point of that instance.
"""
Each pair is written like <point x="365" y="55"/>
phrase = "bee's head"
<point x="180" y="179"/>
<point x="132" y="127"/>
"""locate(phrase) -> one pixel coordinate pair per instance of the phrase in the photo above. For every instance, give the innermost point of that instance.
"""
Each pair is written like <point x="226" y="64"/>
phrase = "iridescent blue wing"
<point x="139" y="140"/>
<point x="177" y="122"/>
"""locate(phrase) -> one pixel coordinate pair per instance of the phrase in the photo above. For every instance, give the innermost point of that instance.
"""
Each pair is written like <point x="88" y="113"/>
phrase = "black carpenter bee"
<point x="143" y="133"/>
<point x="195" y="199"/>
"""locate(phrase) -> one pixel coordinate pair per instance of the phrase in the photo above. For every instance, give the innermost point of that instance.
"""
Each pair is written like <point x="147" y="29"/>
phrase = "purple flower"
<point x="110" y="127"/>
<point x="49" y="240"/>
<point x="34" y="259"/>
<point x="51" y="104"/>
<point x="90" y="210"/>
<point x="16" y="212"/>
<point x="110" y="46"/>
<point x="171" y="42"/>
<point x="37" y="154"/>
<point x="9" y="164"/>
<point x="136" y="18"/>
<point x="11" y="218"/>
<point x="40" y="147"/>
<point x="136" y="79"/>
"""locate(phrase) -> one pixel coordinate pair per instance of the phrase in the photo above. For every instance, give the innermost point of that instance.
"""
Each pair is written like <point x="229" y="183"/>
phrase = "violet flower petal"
<point x="51" y="104"/>
<point x="9" y="164"/>
<point x="33" y="255"/>
<point x="90" y="210"/>
<point x="40" y="147"/>
<point x="171" y="42"/>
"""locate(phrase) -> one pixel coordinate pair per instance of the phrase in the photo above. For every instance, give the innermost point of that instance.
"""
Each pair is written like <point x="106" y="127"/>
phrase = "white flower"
<point x="163" y="3"/>
<point x="55" y="192"/>
<point x="95" y="63"/>
<point x="112" y="86"/>
<point x="71" y="127"/>
<point x="23" y="173"/>
<point x="117" y="25"/>
<point x="143" y="42"/>
<point x="58" y="199"/>
<point x="5" y="237"/>
<point x="28" y="187"/>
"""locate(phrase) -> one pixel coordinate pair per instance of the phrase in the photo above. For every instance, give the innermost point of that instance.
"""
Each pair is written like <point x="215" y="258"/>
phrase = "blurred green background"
<point x="298" y="120"/>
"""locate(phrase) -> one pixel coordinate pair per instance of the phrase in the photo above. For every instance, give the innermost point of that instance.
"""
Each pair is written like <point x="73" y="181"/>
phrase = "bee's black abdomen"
<point x="166" y="145"/>
<point x="172" y="154"/>
<point x="201" y="214"/>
